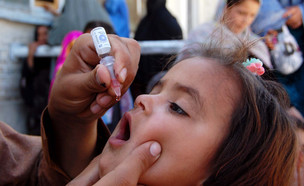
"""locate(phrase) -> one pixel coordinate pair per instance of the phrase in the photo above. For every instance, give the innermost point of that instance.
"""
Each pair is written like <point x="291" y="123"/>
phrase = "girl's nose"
<point x="145" y="102"/>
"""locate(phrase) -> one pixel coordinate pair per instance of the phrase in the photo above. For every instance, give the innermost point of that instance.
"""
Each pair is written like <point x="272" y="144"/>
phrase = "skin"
<point x="294" y="16"/>
<point x="300" y="133"/>
<point x="42" y="38"/>
<point x="81" y="94"/>
<point x="300" y="161"/>
<point x="126" y="173"/>
<point x="240" y="16"/>
<point x="192" y="108"/>
<point x="271" y="39"/>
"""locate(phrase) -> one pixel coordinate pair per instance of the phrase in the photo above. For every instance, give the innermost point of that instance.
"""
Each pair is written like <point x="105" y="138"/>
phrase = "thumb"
<point x="136" y="163"/>
<point x="97" y="80"/>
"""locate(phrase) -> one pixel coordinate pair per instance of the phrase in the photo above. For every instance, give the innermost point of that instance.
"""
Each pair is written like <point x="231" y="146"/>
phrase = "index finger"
<point x="126" y="52"/>
<point x="136" y="163"/>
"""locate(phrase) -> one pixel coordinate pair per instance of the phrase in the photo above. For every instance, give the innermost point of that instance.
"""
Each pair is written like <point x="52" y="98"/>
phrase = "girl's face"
<point x="188" y="113"/>
<point x="300" y="133"/>
<point x="240" y="16"/>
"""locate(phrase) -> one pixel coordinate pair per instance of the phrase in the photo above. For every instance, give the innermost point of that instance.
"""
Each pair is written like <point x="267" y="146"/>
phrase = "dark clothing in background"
<point x="158" y="24"/>
<point x="34" y="88"/>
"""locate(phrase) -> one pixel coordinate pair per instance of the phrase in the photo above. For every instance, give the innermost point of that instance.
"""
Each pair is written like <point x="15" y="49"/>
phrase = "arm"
<point x="294" y="15"/>
<point x="31" y="53"/>
<point x="81" y="94"/>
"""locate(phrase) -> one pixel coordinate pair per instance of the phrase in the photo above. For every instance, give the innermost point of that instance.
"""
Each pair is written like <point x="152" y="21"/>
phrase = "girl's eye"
<point x="177" y="109"/>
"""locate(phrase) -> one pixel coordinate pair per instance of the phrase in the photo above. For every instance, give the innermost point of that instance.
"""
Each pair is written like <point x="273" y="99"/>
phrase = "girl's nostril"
<point x="142" y="105"/>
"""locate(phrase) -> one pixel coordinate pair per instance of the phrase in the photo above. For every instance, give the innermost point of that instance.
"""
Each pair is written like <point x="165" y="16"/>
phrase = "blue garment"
<point x="288" y="3"/>
<point x="119" y="15"/>
<point x="270" y="17"/>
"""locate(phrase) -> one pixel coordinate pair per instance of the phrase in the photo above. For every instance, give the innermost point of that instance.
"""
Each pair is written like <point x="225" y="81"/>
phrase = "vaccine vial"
<point x="103" y="48"/>
<point x="108" y="61"/>
<point x="101" y="41"/>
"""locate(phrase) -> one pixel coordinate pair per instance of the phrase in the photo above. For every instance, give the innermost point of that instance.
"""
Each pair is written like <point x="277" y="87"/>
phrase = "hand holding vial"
<point x="83" y="99"/>
<point x="103" y="48"/>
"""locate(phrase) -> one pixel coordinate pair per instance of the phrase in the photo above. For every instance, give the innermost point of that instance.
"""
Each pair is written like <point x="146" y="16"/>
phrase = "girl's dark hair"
<point x="260" y="148"/>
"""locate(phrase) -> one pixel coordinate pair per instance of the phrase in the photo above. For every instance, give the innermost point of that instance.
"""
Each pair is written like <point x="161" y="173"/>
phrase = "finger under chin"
<point x="134" y="165"/>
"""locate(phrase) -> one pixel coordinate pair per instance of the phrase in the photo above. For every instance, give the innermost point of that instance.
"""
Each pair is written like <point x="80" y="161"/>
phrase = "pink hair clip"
<point x="255" y="66"/>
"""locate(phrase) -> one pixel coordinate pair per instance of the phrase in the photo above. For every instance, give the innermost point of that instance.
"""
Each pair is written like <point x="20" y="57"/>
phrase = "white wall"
<point x="11" y="106"/>
<point x="191" y="13"/>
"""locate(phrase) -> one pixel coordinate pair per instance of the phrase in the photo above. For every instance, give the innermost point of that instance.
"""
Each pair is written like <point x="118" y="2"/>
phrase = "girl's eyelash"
<point x="177" y="109"/>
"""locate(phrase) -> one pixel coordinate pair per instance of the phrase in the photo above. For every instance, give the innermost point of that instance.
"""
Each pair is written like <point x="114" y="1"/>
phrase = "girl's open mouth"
<point x="123" y="133"/>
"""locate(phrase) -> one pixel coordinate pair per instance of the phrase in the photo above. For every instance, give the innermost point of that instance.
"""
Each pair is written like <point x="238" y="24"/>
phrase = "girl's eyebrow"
<point x="193" y="93"/>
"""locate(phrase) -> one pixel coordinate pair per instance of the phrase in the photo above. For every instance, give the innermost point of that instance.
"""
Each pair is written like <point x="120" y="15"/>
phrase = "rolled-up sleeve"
<point x="27" y="160"/>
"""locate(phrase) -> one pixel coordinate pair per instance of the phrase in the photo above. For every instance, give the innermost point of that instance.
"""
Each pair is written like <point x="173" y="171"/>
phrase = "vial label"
<point x="101" y="41"/>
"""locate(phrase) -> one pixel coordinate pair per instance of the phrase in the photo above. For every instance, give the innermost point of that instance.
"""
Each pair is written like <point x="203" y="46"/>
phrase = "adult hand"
<point x="271" y="39"/>
<point x="294" y="16"/>
<point x="127" y="173"/>
<point x="81" y="93"/>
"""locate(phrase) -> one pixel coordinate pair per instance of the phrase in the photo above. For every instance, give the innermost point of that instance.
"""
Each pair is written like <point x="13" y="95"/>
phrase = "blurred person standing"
<point x="35" y="81"/>
<point x="158" y="24"/>
<point x="119" y="15"/>
<point x="75" y="15"/>
<point x="235" y="19"/>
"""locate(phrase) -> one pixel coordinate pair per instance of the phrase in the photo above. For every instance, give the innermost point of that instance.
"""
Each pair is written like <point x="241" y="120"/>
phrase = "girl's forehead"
<point x="197" y="65"/>
<point x="201" y="72"/>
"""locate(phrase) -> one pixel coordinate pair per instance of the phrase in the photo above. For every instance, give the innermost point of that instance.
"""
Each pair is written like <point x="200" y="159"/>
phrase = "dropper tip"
<point x="117" y="93"/>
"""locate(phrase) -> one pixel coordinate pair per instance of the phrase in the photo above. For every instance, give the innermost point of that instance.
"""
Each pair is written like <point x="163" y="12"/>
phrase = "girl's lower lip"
<point x="115" y="142"/>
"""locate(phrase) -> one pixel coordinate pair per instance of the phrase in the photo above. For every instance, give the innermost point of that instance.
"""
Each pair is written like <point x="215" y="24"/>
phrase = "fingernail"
<point x="123" y="74"/>
<point x="103" y="84"/>
<point x="155" y="149"/>
<point x="97" y="76"/>
<point x="105" y="100"/>
<point x="95" y="108"/>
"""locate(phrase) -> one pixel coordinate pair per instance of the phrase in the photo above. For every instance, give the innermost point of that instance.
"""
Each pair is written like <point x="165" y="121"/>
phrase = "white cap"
<point x="101" y="41"/>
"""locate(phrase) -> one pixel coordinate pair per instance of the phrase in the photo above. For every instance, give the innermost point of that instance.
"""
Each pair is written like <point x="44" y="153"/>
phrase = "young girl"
<point x="217" y="124"/>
